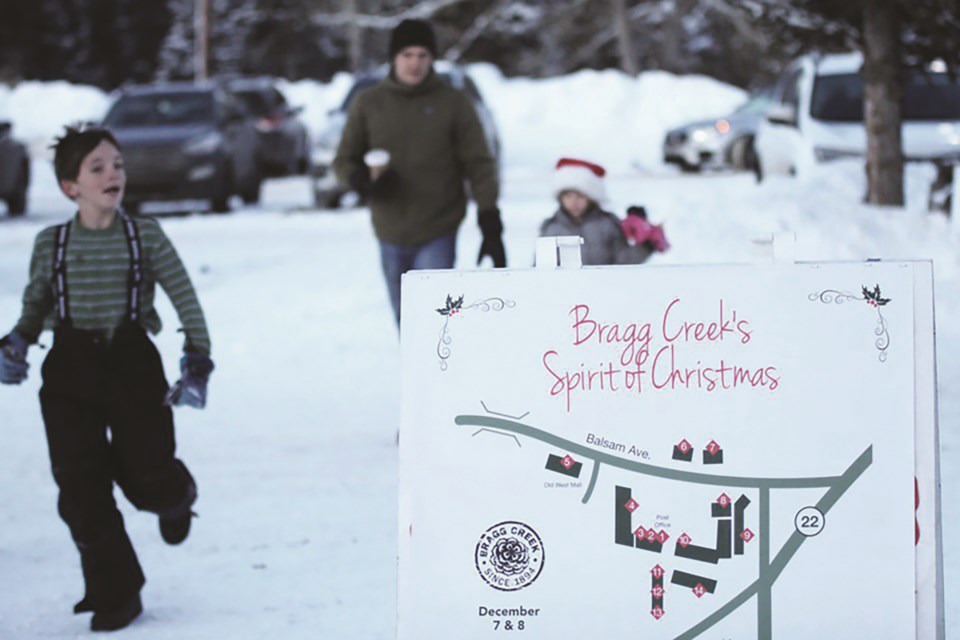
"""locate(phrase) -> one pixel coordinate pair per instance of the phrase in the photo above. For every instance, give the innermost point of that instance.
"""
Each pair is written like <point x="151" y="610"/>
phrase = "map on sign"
<point x="732" y="534"/>
<point x="716" y="452"/>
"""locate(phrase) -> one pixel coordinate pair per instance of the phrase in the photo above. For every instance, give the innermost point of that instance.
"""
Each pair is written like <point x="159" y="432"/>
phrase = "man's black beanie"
<point x="412" y="33"/>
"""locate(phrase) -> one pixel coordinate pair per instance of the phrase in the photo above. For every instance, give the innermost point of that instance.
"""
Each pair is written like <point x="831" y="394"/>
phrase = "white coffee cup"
<point x="377" y="160"/>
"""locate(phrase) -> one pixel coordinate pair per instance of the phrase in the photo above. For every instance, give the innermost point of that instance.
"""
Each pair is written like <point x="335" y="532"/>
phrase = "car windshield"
<point x="257" y="102"/>
<point x="756" y="104"/>
<point x="161" y="110"/>
<point x="839" y="98"/>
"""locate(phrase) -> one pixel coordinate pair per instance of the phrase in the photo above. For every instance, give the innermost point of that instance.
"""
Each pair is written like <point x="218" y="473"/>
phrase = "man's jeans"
<point x="396" y="260"/>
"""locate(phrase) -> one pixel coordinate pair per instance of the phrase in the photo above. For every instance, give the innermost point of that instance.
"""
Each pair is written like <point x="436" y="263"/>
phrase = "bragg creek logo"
<point x="509" y="556"/>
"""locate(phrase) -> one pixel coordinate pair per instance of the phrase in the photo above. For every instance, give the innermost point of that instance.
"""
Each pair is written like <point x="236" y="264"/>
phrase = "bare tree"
<point x="882" y="98"/>
<point x="628" y="61"/>
<point x="201" y="54"/>
<point x="480" y="24"/>
<point x="355" y="36"/>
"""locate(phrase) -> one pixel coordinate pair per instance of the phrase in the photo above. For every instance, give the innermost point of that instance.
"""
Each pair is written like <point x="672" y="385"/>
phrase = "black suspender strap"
<point x="136" y="267"/>
<point x="60" y="273"/>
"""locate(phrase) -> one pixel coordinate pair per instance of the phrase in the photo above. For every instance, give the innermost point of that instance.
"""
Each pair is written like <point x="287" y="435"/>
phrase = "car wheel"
<point x="686" y="167"/>
<point x="220" y="202"/>
<point x="17" y="202"/>
<point x="251" y="193"/>
<point x="741" y="154"/>
<point x="303" y="165"/>
<point x="327" y="199"/>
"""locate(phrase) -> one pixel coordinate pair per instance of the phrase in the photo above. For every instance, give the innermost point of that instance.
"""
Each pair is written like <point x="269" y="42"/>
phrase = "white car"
<point x="818" y="116"/>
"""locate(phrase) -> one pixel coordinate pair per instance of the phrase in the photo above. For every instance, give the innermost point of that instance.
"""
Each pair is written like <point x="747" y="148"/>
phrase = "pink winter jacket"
<point x="640" y="231"/>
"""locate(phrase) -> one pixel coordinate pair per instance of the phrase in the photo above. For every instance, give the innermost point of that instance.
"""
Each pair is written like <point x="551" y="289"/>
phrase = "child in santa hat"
<point x="579" y="189"/>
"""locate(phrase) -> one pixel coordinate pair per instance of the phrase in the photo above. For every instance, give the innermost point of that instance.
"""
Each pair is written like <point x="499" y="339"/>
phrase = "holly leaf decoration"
<point x="451" y="305"/>
<point x="875" y="295"/>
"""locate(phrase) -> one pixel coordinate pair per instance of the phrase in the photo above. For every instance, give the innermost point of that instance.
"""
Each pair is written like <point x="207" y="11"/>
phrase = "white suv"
<point x="818" y="115"/>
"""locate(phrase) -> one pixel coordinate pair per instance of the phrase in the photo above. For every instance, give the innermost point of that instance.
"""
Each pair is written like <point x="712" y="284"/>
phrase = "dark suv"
<point x="284" y="141"/>
<point x="14" y="171"/>
<point x="185" y="141"/>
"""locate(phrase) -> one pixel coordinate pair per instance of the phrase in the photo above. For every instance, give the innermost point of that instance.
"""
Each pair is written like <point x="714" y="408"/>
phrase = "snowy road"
<point x="295" y="455"/>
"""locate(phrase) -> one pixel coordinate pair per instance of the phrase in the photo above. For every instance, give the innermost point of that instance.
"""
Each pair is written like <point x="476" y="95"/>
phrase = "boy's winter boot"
<point x="83" y="606"/>
<point x="175" y="524"/>
<point x="113" y="619"/>
<point x="175" y="528"/>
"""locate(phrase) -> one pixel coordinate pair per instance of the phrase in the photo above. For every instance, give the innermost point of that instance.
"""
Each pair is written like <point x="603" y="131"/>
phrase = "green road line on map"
<point x="764" y="595"/>
<point x="766" y="579"/>
<point x="640" y="467"/>
<point x="769" y="571"/>
<point x="829" y="499"/>
<point x="593" y="482"/>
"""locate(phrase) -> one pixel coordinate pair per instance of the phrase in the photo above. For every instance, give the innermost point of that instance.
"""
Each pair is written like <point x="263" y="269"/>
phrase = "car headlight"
<point x="701" y="135"/>
<point x="826" y="154"/>
<point x="203" y="145"/>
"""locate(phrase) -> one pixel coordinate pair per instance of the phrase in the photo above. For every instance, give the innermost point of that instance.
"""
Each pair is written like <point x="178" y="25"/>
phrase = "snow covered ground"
<point x="295" y="454"/>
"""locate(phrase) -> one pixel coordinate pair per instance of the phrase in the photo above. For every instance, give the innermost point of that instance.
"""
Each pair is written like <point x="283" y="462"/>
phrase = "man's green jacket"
<point x="436" y="142"/>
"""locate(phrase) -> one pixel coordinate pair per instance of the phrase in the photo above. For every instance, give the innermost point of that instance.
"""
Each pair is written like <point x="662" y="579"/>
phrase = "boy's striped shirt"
<point x="98" y="270"/>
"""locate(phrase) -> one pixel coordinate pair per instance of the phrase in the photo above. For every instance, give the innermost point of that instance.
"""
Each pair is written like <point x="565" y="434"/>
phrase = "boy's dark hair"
<point x="74" y="145"/>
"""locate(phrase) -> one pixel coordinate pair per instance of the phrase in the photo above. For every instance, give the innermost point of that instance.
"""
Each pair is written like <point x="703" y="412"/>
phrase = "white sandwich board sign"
<point x="721" y="452"/>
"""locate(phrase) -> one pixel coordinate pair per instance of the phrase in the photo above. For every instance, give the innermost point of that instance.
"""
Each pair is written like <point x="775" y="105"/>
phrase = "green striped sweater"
<point x="98" y="267"/>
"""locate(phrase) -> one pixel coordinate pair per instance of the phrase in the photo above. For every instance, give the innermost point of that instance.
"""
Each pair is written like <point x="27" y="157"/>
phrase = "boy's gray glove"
<point x="191" y="388"/>
<point x="13" y="358"/>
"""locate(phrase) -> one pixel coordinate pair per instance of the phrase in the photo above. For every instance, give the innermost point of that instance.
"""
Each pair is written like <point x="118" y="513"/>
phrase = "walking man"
<point x="408" y="145"/>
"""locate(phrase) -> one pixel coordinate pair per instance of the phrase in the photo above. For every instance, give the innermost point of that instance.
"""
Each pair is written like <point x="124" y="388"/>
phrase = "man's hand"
<point x="492" y="245"/>
<point x="383" y="187"/>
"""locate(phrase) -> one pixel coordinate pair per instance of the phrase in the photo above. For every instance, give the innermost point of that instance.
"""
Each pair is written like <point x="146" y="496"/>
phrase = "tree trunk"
<point x="355" y="37"/>
<point x="882" y="99"/>
<point x="201" y="34"/>
<point x="627" y="61"/>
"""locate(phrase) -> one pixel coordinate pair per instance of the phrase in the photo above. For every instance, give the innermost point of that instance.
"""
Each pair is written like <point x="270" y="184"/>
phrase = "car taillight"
<point x="268" y="124"/>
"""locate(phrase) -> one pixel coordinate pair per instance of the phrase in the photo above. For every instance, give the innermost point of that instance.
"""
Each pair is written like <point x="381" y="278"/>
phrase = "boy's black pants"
<point x="91" y="385"/>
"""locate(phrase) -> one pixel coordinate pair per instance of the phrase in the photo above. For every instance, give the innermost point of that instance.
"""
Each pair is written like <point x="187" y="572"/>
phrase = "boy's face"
<point x="412" y="65"/>
<point x="101" y="180"/>
<point x="574" y="203"/>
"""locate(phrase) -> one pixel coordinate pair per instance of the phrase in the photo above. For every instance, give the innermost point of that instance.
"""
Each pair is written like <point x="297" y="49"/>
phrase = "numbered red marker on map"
<point x="651" y="535"/>
<point x="663" y="536"/>
<point x="658" y="592"/>
<point x="724" y="500"/>
<point x="567" y="461"/>
<point x="657" y="613"/>
<point x="747" y="535"/>
<point x="684" y="446"/>
<point x="657" y="571"/>
<point x="632" y="505"/>
<point x="713" y="447"/>
<point x="684" y="540"/>
<point x="640" y="532"/>
<point x="698" y="590"/>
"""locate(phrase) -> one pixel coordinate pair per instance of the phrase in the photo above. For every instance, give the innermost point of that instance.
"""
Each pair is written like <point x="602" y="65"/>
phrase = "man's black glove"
<point x="492" y="245"/>
<point x="191" y="388"/>
<point x="385" y="184"/>
<point x="13" y="358"/>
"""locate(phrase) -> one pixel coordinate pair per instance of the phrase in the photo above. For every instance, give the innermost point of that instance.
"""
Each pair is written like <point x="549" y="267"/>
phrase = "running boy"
<point x="578" y="187"/>
<point x="92" y="280"/>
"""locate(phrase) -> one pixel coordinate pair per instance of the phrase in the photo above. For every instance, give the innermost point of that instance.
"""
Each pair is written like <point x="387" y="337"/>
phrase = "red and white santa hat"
<point x="579" y="175"/>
